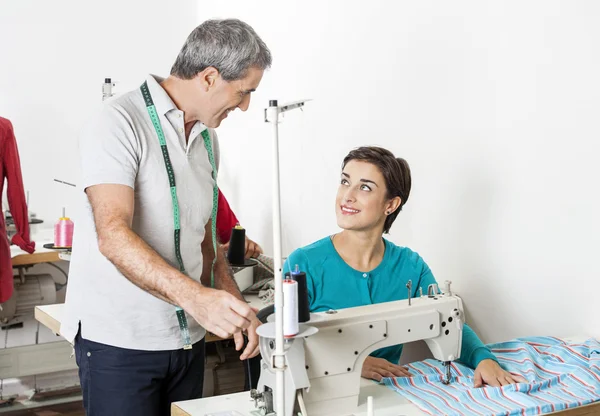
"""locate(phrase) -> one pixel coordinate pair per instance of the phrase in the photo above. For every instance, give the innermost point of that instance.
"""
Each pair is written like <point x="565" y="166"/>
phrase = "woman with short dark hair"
<point x="358" y="267"/>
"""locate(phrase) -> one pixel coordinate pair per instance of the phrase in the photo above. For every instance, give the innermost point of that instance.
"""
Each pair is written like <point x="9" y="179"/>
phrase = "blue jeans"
<point x="119" y="381"/>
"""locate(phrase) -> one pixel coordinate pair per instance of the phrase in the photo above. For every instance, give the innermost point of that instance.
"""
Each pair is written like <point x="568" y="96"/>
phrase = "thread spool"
<point x="370" y="406"/>
<point x="303" y="306"/>
<point x="290" y="308"/>
<point x="237" y="246"/>
<point x="63" y="231"/>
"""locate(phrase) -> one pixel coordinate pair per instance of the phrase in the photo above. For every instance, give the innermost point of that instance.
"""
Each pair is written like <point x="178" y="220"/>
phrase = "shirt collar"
<point x="162" y="101"/>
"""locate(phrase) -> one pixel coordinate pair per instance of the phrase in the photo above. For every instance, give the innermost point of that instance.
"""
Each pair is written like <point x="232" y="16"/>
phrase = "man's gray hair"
<point x="230" y="45"/>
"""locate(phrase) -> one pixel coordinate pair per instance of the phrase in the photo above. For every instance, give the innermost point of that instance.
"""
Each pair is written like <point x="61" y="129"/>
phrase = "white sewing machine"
<point x="324" y="361"/>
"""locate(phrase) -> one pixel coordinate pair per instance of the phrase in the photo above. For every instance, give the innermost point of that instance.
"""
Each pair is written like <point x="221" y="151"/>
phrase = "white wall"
<point x="53" y="60"/>
<point x="494" y="105"/>
<point x="54" y="57"/>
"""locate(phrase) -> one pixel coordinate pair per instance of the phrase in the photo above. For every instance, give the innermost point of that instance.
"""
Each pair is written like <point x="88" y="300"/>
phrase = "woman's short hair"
<point x="395" y="171"/>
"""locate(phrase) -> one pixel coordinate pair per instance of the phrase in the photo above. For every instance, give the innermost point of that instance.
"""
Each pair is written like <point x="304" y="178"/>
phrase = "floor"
<point x="65" y="409"/>
<point x="222" y="378"/>
<point x="228" y="377"/>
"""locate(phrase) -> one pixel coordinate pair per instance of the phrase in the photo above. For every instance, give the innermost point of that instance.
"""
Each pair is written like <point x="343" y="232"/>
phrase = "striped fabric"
<point x="560" y="376"/>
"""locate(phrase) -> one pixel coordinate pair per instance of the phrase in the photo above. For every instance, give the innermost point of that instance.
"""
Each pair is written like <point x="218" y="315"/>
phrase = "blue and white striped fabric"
<point x="559" y="375"/>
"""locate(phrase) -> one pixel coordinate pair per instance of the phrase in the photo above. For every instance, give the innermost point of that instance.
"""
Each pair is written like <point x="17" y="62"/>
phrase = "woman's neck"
<point x="362" y="250"/>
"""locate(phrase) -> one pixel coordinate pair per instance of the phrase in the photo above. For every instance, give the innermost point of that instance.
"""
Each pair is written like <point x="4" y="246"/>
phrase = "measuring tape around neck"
<point x="183" y="325"/>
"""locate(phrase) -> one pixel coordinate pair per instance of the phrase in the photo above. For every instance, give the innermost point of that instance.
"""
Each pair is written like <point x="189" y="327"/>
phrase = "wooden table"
<point x="386" y="403"/>
<point x="51" y="315"/>
<point x="41" y="255"/>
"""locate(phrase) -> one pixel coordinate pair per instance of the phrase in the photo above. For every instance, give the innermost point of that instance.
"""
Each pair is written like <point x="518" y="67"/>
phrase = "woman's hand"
<point x="378" y="368"/>
<point x="489" y="372"/>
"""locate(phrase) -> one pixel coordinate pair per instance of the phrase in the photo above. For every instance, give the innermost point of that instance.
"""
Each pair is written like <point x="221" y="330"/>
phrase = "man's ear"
<point x="208" y="77"/>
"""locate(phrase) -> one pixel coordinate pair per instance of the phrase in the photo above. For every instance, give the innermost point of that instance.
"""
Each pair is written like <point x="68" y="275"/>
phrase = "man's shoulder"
<point x="130" y="104"/>
<point x="122" y="114"/>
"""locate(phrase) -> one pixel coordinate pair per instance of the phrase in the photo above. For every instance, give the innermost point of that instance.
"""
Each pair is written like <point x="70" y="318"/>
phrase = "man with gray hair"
<point x="147" y="277"/>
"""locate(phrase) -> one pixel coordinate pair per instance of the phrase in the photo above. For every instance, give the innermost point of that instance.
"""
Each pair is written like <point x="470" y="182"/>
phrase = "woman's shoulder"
<point x="314" y="249"/>
<point x="311" y="252"/>
<point x="403" y="253"/>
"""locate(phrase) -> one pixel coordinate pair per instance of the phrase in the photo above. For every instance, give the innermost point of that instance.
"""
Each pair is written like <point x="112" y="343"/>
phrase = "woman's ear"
<point x="392" y="205"/>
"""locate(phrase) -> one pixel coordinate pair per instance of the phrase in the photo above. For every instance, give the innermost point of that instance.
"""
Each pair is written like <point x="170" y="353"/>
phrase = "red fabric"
<point x="10" y="168"/>
<point x="226" y="220"/>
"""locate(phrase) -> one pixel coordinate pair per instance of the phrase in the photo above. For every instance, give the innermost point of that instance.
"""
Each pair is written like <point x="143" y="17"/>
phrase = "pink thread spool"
<point x="63" y="232"/>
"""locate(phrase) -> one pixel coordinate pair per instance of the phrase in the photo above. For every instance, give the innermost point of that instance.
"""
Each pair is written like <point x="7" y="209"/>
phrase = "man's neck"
<point x="176" y="89"/>
<point x="188" y="129"/>
<point x="362" y="250"/>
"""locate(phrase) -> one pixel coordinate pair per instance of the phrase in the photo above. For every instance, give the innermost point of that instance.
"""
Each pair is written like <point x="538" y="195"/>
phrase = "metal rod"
<point x="66" y="183"/>
<point x="279" y="359"/>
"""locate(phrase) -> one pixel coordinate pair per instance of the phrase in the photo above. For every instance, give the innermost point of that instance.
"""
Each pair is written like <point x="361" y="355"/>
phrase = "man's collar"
<point x="162" y="101"/>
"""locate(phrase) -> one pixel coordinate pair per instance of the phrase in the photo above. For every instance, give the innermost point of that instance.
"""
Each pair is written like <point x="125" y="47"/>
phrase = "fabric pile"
<point x="560" y="376"/>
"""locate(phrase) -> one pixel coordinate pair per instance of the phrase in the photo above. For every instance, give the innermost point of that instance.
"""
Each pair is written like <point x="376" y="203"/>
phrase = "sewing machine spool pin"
<point x="409" y="287"/>
<point x="447" y="290"/>
<point x="432" y="290"/>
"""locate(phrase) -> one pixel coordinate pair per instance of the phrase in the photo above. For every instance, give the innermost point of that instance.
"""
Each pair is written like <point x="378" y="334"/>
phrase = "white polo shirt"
<point x="120" y="146"/>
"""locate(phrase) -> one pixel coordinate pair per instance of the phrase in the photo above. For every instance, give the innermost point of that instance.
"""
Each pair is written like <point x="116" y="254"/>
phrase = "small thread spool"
<point x="290" y="308"/>
<point x="63" y="231"/>
<point x="237" y="246"/>
<point x="370" y="406"/>
<point x="303" y="307"/>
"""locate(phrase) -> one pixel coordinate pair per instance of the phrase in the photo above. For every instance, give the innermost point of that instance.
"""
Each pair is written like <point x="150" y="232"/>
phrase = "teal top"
<point x="333" y="284"/>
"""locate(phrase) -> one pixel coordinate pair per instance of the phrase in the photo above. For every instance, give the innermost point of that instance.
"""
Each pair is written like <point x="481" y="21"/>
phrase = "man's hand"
<point x="253" y="250"/>
<point x="218" y="311"/>
<point x="378" y="368"/>
<point x="252" y="349"/>
<point x="489" y="372"/>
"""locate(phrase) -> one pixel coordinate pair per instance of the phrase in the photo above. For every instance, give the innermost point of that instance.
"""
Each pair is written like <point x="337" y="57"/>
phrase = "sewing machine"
<point x="324" y="361"/>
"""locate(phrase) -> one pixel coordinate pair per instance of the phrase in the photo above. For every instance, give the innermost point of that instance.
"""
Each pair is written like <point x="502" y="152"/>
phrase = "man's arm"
<point x="223" y="278"/>
<point x="112" y="206"/>
<point x="222" y="272"/>
<point x="216" y="310"/>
